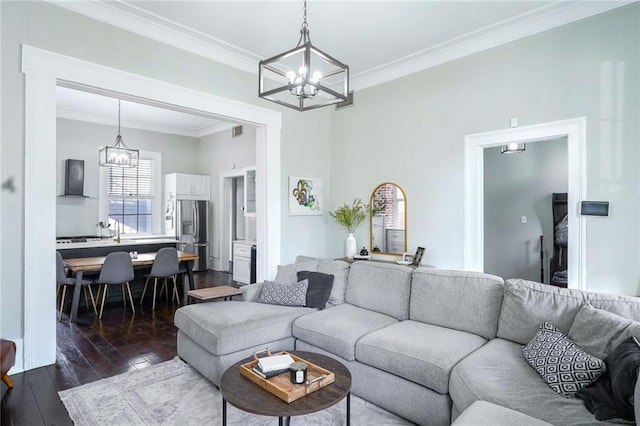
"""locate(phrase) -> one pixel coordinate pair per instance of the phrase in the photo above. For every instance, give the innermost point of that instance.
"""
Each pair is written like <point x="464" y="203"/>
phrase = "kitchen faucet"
<point x="117" y="237"/>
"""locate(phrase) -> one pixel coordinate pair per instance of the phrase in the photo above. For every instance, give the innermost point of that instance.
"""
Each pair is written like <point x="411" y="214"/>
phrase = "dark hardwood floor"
<point x="92" y="349"/>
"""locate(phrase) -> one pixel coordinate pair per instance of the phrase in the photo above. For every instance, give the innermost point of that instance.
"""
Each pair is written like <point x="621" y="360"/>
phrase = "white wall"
<point x="517" y="185"/>
<point x="411" y="131"/>
<point x="82" y="141"/>
<point x="50" y="27"/>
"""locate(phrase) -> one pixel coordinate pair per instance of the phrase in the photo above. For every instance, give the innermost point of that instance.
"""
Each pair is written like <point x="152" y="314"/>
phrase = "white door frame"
<point x="575" y="130"/>
<point x="43" y="70"/>
<point x="225" y="218"/>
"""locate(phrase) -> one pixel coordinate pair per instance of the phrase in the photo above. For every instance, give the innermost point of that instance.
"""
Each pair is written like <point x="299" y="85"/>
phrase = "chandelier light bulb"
<point x="291" y="76"/>
<point x="317" y="75"/>
<point x="302" y="71"/>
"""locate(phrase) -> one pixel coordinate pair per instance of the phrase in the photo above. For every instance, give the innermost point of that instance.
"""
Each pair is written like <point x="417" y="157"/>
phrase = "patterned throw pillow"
<point x="562" y="364"/>
<point x="284" y="294"/>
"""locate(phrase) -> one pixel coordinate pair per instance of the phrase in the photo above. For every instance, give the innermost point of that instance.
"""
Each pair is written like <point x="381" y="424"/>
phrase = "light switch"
<point x="523" y="219"/>
<point x="513" y="122"/>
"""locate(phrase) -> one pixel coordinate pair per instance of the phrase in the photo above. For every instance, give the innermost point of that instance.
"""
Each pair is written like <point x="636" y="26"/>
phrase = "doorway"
<point x="43" y="70"/>
<point x="519" y="222"/>
<point x="574" y="130"/>
<point x="232" y="219"/>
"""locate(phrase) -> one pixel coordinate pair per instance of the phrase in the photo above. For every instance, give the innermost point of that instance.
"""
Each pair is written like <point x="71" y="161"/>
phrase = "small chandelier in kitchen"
<point x="119" y="155"/>
<point x="299" y="78"/>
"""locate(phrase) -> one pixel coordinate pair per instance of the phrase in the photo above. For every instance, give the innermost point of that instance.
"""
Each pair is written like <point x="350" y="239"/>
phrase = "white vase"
<point x="350" y="246"/>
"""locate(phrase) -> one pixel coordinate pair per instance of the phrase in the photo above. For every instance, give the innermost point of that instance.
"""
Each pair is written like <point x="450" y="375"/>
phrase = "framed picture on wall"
<point x="417" y="258"/>
<point x="305" y="196"/>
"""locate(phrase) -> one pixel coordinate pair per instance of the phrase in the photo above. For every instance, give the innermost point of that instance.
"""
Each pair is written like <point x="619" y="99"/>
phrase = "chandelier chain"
<point x="118" y="116"/>
<point x="304" y="15"/>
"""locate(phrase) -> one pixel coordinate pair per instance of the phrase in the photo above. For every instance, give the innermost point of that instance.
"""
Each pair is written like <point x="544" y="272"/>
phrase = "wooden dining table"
<point x="79" y="265"/>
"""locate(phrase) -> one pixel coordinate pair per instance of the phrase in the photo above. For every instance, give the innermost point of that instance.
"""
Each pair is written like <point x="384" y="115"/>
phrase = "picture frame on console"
<point x="417" y="258"/>
<point x="407" y="257"/>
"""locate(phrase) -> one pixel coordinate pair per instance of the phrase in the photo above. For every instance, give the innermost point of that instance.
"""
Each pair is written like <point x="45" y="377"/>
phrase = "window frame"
<point x="156" y="199"/>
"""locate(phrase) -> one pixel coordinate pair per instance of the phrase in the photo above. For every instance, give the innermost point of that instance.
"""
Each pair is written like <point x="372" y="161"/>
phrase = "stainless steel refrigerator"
<point x="192" y="227"/>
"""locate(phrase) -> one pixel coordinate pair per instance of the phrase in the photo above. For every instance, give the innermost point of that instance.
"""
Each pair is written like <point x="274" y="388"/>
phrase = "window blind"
<point x="135" y="182"/>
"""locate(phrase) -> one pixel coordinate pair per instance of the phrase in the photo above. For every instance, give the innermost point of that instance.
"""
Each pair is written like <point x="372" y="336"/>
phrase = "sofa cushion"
<point x="284" y="294"/>
<point x="380" y="287"/>
<point x="338" y="329"/>
<point x="560" y="362"/>
<point x="319" y="289"/>
<point x="288" y="274"/>
<point x="422" y="353"/>
<point x="598" y="332"/>
<point x="340" y="271"/>
<point x="338" y="268"/>
<point x="498" y="373"/>
<point x="476" y="296"/>
<point x="484" y="413"/>
<point x="625" y="306"/>
<point x="306" y="263"/>
<point x="526" y="304"/>
<point x="225" y="327"/>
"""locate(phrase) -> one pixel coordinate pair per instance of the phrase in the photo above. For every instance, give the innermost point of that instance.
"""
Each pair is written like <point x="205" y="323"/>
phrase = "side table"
<point x="248" y="396"/>
<point x="211" y="293"/>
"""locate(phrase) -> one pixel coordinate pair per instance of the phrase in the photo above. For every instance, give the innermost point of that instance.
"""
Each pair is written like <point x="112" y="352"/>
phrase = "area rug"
<point x="173" y="393"/>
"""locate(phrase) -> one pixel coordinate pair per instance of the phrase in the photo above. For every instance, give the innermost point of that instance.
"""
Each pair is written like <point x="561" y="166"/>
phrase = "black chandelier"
<point x="118" y="155"/>
<point x="299" y="78"/>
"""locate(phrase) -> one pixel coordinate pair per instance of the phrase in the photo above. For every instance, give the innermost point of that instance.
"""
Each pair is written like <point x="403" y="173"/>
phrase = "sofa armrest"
<point x="251" y="292"/>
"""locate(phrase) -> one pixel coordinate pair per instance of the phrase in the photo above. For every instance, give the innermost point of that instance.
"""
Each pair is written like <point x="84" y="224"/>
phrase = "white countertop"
<point x="110" y="243"/>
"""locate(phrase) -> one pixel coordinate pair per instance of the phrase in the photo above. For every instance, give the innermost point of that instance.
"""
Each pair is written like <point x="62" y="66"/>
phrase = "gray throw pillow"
<point x="320" y="286"/>
<point x="286" y="274"/>
<point x="284" y="294"/>
<point x="598" y="331"/>
<point x="561" y="363"/>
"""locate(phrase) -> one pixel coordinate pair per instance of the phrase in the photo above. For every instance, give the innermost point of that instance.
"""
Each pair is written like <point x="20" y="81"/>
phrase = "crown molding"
<point x="136" y="20"/>
<point x="534" y="22"/>
<point x="110" y="120"/>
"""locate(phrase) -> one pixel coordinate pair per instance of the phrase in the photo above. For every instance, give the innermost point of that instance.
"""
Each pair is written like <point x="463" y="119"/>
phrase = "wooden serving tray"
<point x="281" y="385"/>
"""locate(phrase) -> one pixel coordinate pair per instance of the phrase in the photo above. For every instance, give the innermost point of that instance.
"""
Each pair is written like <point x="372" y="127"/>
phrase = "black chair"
<point x="117" y="269"/>
<point x="63" y="281"/>
<point x="164" y="266"/>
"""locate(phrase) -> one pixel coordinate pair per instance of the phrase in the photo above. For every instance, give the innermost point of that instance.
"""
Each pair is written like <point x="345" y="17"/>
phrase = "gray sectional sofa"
<point x="425" y="344"/>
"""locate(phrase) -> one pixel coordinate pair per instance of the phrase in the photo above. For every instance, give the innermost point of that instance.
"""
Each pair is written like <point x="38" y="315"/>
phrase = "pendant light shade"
<point x="118" y="155"/>
<point x="304" y="77"/>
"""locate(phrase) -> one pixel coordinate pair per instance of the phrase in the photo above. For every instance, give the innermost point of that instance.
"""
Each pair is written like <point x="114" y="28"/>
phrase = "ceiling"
<point x="94" y="108"/>
<point x="379" y="40"/>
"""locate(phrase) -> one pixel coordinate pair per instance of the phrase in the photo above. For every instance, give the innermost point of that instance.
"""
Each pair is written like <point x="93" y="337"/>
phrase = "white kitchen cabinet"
<point x="188" y="186"/>
<point x="250" y="192"/>
<point x="242" y="261"/>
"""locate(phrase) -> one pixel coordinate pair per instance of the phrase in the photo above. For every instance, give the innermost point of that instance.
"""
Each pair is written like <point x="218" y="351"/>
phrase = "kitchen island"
<point x="74" y="247"/>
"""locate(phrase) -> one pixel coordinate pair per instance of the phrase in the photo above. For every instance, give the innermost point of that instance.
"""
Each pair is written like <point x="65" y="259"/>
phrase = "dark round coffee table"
<point x="242" y="393"/>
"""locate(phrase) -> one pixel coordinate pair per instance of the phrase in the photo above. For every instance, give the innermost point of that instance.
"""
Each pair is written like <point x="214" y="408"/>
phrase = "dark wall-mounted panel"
<point x="594" y="208"/>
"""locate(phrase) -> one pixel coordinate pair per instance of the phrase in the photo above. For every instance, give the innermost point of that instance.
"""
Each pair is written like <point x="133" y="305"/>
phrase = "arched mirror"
<point x="388" y="219"/>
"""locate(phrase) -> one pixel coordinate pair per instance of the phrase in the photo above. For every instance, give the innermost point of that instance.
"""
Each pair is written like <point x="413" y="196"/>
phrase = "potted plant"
<point x="350" y="216"/>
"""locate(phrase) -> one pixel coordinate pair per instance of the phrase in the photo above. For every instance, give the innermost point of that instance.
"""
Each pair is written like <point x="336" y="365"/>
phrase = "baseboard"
<point x="19" y="367"/>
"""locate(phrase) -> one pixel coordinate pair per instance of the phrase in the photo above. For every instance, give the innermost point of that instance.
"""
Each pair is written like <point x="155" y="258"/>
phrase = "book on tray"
<point x="274" y="363"/>
<point x="269" y="374"/>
